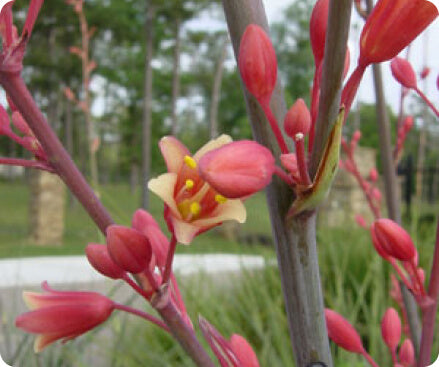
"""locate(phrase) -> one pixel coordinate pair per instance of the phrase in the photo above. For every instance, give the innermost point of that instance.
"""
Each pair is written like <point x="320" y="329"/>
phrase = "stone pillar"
<point x="46" y="212"/>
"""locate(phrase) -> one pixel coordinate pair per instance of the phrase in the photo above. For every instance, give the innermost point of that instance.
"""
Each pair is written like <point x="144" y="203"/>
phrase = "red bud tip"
<point x="391" y="329"/>
<point x="342" y="333"/>
<point x="237" y="169"/>
<point x="425" y="72"/>
<point x="257" y="63"/>
<point x="100" y="259"/>
<point x="128" y="248"/>
<point x="403" y="72"/>
<point x="317" y="29"/>
<point x="297" y="120"/>
<point x="407" y="353"/>
<point x="394" y="239"/>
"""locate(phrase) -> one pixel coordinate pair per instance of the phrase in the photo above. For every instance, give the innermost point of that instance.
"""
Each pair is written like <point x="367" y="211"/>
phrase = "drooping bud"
<point x="129" y="248"/>
<point x="237" y="169"/>
<point x="394" y="239"/>
<point x="100" y="259"/>
<point x="317" y="30"/>
<point x="407" y="353"/>
<point x="403" y="72"/>
<point x="243" y="351"/>
<point x="391" y="26"/>
<point x="297" y="120"/>
<point x="425" y="72"/>
<point x="342" y="333"/>
<point x="257" y="63"/>
<point x="391" y="329"/>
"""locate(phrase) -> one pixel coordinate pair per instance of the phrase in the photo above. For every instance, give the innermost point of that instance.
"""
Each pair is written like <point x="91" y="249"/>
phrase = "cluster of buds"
<point x="368" y="184"/>
<point x="394" y="244"/>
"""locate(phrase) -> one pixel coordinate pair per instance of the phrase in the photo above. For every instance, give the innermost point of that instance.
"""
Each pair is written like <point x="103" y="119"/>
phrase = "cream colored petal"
<point x="173" y="152"/>
<point x="163" y="186"/>
<point x="230" y="210"/>
<point x="184" y="232"/>
<point x="213" y="144"/>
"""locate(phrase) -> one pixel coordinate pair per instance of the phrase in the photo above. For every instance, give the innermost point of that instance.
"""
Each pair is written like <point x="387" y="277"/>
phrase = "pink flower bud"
<point x="377" y="244"/>
<point x="407" y="353"/>
<point x="257" y="63"/>
<point x="394" y="239"/>
<point x="142" y="219"/>
<point x="128" y="248"/>
<point x="403" y="72"/>
<point x="100" y="259"/>
<point x="356" y="136"/>
<point x="376" y="194"/>
<point x="317" y="30"/>
<point x="360" y="221"/>
<point x="342" y="333"/>
<point x="298" y="119"/>
<point x="391" y="329"/>
<point x="237" y="169"/>
<point x="373" y="175"/>
<point x="243" y="351"/>
<point x="425" y="72"/>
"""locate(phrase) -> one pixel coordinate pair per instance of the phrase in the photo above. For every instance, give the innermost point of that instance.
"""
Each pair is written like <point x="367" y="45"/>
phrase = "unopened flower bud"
<point x="391" y="328"/>
<point x="394" y="239"/>
<point x="403" y="72"/>
<point x="243" y="351"/>
<point x="297" y="120"/>
<point x="377" y="244"/>
<point x="360" y="221"/>
<point x="407" y="353"/>
<point x="317" y="29"/>
<point x="425" y="72"/>
<point x="100" y="259"/>
<point x="237" y="169"/>
<point x="356" y="136"/>
<point x="257" y="63"/>
<point x="342" y="333"/>
<point x="376" y="194"/>
<point x="129" y="248"/>
<point x="373" y="175"/>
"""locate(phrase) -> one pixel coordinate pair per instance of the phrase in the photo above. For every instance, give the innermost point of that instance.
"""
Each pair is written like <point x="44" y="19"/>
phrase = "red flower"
<point x="62" y="315"/>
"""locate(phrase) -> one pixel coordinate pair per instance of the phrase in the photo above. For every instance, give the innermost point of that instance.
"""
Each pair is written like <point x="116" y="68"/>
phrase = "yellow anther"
<point x="195" y="208"/>
<point x="220" y="199"/>
<point x="189" y="184"/>
<point x="190" y="162"/>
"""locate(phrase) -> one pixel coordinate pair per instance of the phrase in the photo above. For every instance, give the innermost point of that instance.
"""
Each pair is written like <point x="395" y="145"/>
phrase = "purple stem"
<point x="26" y="163"/>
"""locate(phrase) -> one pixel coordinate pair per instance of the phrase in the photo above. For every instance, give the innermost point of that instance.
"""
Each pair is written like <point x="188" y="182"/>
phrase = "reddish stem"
<point x="133" y="284"/>
<point x="143" y="315"/>
<point x="429" y="316"/>
<point x="369" y="359"/>
<point x="283" y="176"/>
<point x="275" y="127"/>
<point x="404" y="279"/>
<point x="351" y="87"/>
<point x="26" y="163"/>
<point x="427" y="101"/>
<point x="301" y="161"/>
<point x="169" y="259"/>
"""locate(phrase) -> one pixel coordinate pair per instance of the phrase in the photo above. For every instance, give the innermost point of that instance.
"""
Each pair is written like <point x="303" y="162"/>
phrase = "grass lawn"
<point x="79" y="228"/>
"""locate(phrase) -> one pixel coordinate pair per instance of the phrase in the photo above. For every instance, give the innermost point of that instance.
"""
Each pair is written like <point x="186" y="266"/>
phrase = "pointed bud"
<point x="391" y="329"/>
<point x="425" y="72"/>
<point x="361" y="221"/>
<point x="403" y="72"/>
<point x="377" y="244"/>
<point x="391" y="26"/>
<point x="317" y="30"/>
<point x="407" y="353"/>
<point x="394" y="239"/>
<point x="297" y="120"/>
<point x="342" y="333"/>
<point x="100" y="259"/>
<point x="257" y="63"/>
<point x="376" y="194"/>
<point x="356" y="136"/>
<point x="373" y="175"/>
<point x="128" y="248"/>
<point x="243" y="351"/>
<point x="237" y="169"/>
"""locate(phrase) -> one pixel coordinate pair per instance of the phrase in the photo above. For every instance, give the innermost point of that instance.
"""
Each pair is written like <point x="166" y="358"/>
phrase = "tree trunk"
<point x="147" y="104"/>
<point x="176" y="77"/>
<point x="216" y="90"/>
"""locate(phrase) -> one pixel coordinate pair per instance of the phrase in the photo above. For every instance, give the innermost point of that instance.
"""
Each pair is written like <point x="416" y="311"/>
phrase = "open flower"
<point x="192" y="205"/>
<point x="59" y="315"/>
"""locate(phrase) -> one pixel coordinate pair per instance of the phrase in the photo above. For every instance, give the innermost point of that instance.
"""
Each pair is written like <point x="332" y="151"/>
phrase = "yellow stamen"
<point x="190" y="162"/>
<point x="220" y="199"/>
<point x="195" y="208"/>
<point x="189" y="184"/>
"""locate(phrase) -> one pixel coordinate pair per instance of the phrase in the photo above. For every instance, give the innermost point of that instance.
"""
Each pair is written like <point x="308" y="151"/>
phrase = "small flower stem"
<point x="420" y="286"/>
<point x="169" y="259"/>
<point x="351" y="88"/>
<point x="58" y="157"/>
<point x="404" y="279"/>
<point x="283" y="175"/>
<point x="275" y="128"/>
<point x="301" y="161"/>
<point x="429" y="316"/>
<point x="26" y="163"/>
<point x="143" y="315"/>
<point x="139" y="290"/>
<point x="369" y="359"/>
<point x="427" y="101"/>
